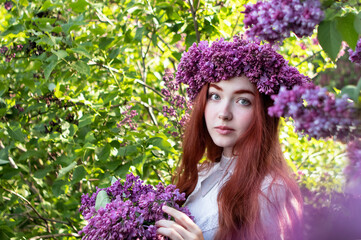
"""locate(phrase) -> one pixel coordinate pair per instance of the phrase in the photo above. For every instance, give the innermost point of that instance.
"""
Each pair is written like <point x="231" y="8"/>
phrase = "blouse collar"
<point x="227" y="163"/>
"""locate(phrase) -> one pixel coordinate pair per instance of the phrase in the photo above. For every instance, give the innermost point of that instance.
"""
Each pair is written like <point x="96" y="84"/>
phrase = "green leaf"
<point x="190" y="39"/>
<point x="49" y="68"/>
<point x="82" y="51"/>
<point x="114" y="179"/>
<point x="14" y="29"/>
<point x="160" y="143"/>
<point x="65" y="170"/>
<point x="79" y="6"/>
<point x="6" y="232"/>
<point x="42" y="172"/>
<point x="114" y="53"/>
<point x="16" y="133"/>
<point x="102" y="200"/>
<point x="58" y="187"/>
<point x="72" y="130"/>
<point x="85" y="120"/>
<point x="329" y="38"/>
<point x="176" y="38"/>
<point x="195" y="4"/>
<point x="123" y="170"/>
<point x="347" y="30"/>
<point x="60" y="54"/>
<point x="104" y="154"/>
<point x="2" y="162"/>
<point x="154" y="39"/>
<point x="78" y="174"/>
<point x="139" y="34"/>
<point x="351" y="92"/>
<point x="81" y="67"/>
<point x="46" y="40"/>
<point x="357" y="23"/>
<point x="127" y="150"/>
<point x="104" y="42"/>
<point x="47" y="4"/>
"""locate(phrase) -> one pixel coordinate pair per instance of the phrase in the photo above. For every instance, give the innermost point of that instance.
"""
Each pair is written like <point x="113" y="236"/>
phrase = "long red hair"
<point x="258" y="154"/>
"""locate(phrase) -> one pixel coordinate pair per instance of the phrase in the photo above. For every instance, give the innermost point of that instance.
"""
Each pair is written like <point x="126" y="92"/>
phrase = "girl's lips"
<point x="224" y="130"/>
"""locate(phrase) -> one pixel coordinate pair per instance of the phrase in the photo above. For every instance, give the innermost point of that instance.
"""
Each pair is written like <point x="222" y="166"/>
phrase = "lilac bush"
<point x="355" y="56"/>
<point x="317" y="112"/>
<point x="274" y="20"/>
<point x="131" y="211"/>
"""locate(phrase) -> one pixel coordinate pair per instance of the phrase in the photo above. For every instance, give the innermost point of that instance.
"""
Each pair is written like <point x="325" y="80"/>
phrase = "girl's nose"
<point x="225" y="113"/>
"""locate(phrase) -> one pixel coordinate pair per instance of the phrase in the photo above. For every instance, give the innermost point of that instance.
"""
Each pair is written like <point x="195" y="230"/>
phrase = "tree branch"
<point x="31" y="206"/>
<point x="144" y="77"/>
<point x="310" y="57"/>
<point x="195" y="22"/>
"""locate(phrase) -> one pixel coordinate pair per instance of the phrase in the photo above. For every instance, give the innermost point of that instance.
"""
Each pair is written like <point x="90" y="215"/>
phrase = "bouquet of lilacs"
<point x="128" y="210"/>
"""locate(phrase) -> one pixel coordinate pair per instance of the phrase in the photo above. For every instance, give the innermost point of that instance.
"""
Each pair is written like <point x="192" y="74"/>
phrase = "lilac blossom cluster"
<point x="8" y="5"/>
<point x="223" y="60"/>
<point x="355" y="56"/>
<point x="129" y="118"/>
<point x="10" y="53"/>
<point x="353" y="170"/>
<point x="317" y="112"/>
<point x="132" y="211"/>
<point x="176" y="102"/>
<point x="274" y="20"/>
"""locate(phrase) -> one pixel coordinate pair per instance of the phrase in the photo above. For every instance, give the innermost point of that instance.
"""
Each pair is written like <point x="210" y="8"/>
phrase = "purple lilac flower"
<point x="3" y="50"/>
<point x="10" y="53"/>
<point x="129" y="118"/>
<point x="355" y="56"/>
<point x="353" y="170"/>
<point x="317" y="113"/>
<point x="274" y="20"/>
<point x="223" y="60"/>
<point x="177" y="101"/>
<point x="133" y="209"/>
<point x="8" y="5"/>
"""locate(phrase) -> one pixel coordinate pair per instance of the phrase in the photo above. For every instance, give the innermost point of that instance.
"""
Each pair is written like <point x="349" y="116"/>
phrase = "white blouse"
<point x="202" y="202"/>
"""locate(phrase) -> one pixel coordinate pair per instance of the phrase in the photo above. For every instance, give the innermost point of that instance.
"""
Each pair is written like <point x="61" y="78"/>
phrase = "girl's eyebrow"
<point x="235" y="92"/>
<point x="215" y="86"/>
<point x="244" y="91"/>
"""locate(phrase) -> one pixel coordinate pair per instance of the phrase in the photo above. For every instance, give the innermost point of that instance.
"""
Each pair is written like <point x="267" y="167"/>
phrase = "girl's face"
<point x="229" y="111"/>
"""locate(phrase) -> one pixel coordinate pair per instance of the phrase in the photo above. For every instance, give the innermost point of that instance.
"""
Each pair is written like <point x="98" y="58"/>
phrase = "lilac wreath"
<point x="224" y="60"/>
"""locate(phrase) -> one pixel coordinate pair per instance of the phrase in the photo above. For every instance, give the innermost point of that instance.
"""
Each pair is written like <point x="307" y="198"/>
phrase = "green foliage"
<point x="83" y="64"/>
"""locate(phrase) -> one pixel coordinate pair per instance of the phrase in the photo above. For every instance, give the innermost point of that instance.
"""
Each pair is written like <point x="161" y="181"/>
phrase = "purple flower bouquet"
<point x="128" y="210"/>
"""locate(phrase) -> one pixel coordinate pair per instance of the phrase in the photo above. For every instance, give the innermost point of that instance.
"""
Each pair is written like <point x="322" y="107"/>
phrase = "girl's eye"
<point x="214" y="96"/>
<point x="244" y="101"/>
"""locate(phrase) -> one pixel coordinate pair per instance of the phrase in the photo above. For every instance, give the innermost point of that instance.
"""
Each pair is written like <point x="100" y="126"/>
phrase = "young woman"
<point x="237" y="183"/>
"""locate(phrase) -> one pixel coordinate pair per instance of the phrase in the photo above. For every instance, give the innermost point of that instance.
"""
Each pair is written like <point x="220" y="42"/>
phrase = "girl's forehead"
<point x="235" y="84"/>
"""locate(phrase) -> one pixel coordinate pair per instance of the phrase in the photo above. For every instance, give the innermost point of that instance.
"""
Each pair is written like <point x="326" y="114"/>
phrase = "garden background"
<point x="86" y="96"/>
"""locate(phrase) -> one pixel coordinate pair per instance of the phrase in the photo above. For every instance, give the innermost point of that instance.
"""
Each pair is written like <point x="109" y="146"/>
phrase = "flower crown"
<point x="224" y="60"/>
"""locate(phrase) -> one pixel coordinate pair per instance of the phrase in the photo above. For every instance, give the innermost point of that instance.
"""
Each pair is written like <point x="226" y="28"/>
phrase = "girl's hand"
<point x="182" y="228"/>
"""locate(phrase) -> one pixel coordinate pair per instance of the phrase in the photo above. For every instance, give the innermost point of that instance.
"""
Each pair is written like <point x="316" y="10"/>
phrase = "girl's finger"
<point x="172" y="230"/>
<point x="183" y="220"/>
